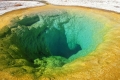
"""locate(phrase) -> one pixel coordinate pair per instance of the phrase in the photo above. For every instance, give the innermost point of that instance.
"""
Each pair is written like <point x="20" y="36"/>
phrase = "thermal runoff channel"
<point x="41" y="42"/>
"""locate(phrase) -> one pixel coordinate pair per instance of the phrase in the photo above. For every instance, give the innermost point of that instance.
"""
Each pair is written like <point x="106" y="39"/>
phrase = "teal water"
<point x="61" y="33"/>
<point x="44" y="42"/>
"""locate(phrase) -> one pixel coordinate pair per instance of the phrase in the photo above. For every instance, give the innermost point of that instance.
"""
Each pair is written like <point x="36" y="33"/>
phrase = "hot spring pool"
<point x="55" y="42"/>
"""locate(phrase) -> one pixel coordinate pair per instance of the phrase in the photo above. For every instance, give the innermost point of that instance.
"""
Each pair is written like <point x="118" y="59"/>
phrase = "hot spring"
<point x="45" y="43"/>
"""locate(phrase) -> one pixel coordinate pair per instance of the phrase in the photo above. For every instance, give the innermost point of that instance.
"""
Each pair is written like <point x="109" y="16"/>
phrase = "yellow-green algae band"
<point x="38" y="44"/>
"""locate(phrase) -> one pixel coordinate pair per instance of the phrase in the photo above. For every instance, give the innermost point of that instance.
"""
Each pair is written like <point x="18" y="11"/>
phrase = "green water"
<point x="49" y="39"/>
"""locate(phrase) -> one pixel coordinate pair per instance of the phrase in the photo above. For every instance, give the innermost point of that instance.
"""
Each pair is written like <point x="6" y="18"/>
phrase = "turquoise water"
<point x="61" y="33"/>
<point x="43" y="42"/>
<point x="83" y="31"/>
<point x="80" y="32"/>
